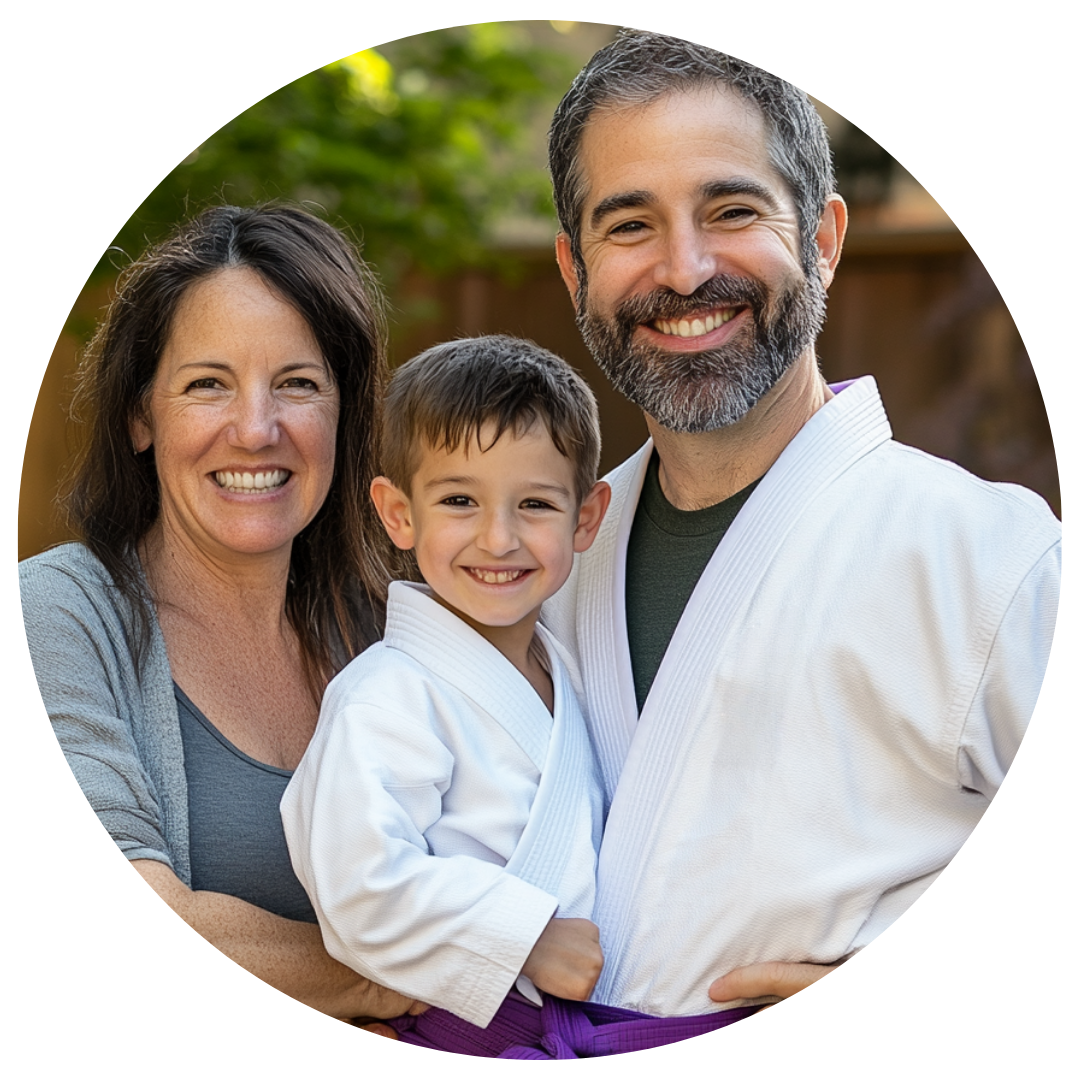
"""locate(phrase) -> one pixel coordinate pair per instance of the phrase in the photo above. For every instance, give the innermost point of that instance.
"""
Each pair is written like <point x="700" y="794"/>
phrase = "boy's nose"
<point x="498" y="535"/>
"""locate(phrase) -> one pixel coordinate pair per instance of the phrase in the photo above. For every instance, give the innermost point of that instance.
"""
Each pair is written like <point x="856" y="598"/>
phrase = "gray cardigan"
<point x="119" y="732"/>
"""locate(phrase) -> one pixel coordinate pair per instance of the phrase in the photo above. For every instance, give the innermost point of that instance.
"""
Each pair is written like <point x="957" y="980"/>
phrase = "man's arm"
<point x="1012" y="678"/>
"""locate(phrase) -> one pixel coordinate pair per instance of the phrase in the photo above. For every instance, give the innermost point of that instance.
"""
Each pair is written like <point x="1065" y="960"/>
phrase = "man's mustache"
<point x="724" y="290"/>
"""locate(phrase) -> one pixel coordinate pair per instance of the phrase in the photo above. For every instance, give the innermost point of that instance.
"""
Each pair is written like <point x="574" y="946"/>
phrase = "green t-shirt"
<point x="668" y="550"/>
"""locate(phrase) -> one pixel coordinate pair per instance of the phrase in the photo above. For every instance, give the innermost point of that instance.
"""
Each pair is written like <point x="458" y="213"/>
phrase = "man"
<point x="809" y="652"/>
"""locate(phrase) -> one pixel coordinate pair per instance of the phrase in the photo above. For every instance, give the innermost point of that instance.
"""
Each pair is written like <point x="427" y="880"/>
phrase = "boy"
<point x="446" y="817"/>
<point x="449" y="804"/>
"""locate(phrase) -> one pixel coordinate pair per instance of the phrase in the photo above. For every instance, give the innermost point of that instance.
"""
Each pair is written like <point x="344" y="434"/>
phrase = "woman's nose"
<point x="255" y="421"/>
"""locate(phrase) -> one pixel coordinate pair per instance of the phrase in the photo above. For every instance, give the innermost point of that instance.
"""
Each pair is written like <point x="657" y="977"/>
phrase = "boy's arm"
<point x="454" y="932"/>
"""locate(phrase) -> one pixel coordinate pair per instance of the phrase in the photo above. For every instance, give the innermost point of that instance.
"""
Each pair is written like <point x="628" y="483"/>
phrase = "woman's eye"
<point x="299" y="382"/>
<point x="209" y="383"/>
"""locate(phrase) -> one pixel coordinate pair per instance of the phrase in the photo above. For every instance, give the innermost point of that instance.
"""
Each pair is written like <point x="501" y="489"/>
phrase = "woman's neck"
<point x="245" y="589"/>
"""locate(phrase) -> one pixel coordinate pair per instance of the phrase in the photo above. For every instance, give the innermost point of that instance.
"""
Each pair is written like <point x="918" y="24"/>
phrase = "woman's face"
<point x="242" y="416"/>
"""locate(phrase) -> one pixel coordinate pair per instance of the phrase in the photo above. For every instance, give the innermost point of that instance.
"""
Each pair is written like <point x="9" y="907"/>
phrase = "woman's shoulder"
<point x="72" y="557"/>
<point x="64" y="571"/>
<point x="69" y="579"/>
<point x="62" y="568"/>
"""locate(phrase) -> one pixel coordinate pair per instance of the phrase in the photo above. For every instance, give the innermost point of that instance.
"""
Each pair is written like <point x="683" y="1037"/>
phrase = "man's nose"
<point x="687" y="261"/>
<point x="255" y="421"/>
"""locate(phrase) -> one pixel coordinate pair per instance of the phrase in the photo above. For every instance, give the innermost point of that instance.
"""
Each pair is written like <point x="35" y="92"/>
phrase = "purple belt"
<point x="561" y="1029"/>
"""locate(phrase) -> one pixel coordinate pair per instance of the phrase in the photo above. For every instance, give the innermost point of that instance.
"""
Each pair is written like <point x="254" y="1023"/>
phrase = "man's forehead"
<point x="713" y="121"/>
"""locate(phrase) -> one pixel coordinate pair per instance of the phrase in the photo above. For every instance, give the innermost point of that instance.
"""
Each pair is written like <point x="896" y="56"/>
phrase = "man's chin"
<point x="699" y="410"/>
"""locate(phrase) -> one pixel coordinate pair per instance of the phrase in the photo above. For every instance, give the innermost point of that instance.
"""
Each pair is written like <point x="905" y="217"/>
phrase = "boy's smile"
<point x="494" y="530"/>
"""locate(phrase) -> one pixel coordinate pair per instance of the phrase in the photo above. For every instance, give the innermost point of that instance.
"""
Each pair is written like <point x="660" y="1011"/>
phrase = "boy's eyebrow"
<point x="463" y="481"/>
<point x="453" y="481"/>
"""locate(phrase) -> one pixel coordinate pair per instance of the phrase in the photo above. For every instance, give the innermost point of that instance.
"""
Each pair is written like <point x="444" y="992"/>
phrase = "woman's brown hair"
<point x="112" y="498"/>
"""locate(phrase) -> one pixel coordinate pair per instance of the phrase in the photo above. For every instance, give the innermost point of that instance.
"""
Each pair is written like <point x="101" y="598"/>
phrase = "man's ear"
<point x="395" y="512"/>
<point x="593" y="508"/>
<point x="830" y="237"/>
<point x="565" y="258"/>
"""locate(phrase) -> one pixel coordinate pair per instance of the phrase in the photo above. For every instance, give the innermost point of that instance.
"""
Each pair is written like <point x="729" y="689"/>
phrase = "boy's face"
<point x="495" y="531"/>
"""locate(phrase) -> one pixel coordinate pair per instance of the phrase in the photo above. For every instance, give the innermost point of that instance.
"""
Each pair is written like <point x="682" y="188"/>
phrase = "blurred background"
<point x="431" y="151"/>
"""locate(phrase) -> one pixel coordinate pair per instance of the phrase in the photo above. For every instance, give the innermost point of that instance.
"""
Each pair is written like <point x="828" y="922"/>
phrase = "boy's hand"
<point x="566" y="959"/>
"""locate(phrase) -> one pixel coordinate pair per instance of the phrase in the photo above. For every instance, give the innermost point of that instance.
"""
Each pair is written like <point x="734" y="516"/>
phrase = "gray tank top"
<point x="237" y="840"/>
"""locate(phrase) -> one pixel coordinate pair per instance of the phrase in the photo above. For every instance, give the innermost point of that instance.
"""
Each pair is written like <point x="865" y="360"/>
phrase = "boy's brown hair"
<point x="445" y="396"/>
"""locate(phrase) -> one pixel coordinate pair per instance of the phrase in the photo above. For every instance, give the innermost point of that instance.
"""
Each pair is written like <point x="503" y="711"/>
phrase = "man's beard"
<point x="704" y="391"/>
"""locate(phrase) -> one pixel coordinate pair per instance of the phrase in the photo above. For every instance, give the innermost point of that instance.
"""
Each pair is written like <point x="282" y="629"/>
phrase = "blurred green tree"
<point x="420" y="147"/>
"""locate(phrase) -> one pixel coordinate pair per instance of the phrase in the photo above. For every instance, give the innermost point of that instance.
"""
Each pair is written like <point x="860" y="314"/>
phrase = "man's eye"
<point x="627" y="228"/>
<point x="734" y="213"/>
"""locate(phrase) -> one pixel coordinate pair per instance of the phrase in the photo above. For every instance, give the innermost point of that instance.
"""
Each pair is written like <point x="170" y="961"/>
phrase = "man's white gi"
<point x="840" y="700"/>
<point x="441" y="815"/>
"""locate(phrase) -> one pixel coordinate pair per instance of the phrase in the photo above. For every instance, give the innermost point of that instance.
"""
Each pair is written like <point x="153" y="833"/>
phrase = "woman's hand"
<point x="767" y="980"/>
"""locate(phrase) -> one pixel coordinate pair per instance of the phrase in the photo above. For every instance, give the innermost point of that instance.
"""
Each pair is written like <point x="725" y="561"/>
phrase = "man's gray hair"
<point x="639" y="67"/>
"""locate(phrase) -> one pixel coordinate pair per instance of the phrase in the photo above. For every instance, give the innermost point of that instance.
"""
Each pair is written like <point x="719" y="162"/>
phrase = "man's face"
<point x="695" y="301"/>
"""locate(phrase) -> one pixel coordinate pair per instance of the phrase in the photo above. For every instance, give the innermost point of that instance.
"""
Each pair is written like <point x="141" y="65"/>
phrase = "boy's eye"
<point x="536" y="504"/>
<point x="457" y="500"/>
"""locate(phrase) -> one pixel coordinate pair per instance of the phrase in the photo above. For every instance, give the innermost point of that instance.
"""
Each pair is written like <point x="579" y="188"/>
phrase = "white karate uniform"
<point x="840" y="700"/>
<point x="441" y="815"/>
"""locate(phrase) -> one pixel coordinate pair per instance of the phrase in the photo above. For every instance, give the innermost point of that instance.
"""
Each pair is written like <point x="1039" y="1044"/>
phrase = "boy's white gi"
<point x="441" y="815"/>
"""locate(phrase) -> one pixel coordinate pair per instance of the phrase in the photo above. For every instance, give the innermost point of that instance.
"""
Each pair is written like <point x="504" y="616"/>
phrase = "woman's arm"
<point x="285" y="953"/>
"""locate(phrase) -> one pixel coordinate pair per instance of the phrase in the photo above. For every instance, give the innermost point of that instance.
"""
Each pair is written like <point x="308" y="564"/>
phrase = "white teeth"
<point x="246" y="481"/>
<point x="697" y="326"/>
<point x="496" y="577"/>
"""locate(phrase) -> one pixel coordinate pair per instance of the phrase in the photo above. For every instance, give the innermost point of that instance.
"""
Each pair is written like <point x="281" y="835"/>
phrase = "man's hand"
<point x="767" y="980"/>
<point x="566" y="959"/>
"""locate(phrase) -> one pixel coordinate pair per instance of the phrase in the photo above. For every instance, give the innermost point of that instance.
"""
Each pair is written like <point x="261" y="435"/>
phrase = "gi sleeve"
<point x="450" y="931"/>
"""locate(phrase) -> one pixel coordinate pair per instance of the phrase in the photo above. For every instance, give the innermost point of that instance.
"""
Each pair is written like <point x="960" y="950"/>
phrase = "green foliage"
<point x="419" y="147"/>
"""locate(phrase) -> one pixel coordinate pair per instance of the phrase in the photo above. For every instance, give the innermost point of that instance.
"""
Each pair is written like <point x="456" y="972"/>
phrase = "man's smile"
<point x="696" y="325"/>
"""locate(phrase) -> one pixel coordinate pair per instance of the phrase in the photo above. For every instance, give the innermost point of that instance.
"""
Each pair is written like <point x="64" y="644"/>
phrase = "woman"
<point x="229" y="566"/>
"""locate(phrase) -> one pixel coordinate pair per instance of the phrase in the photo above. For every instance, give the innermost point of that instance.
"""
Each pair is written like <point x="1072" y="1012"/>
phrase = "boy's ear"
<point x="395" y="511"/>
<point x="593" y="508"/>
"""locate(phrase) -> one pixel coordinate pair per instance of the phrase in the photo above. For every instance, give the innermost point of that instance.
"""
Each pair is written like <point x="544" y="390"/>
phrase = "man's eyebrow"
<point x="740" y="185"/>
<point x="624" y="200"/>
<point x="711" y="189"/>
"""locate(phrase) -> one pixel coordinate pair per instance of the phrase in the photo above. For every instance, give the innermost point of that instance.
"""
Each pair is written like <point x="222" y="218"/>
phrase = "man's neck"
<point x="703" y="469"/>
